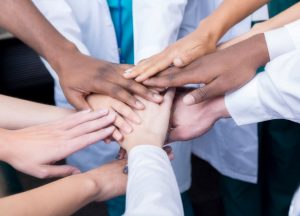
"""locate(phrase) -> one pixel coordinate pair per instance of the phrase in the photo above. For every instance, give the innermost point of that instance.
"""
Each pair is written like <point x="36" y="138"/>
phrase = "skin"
<point x="287" y="16"/>
<point x="99" y="184"/>
<point x="204" y="115"/>
<point x="220" y="71"/>
<point x="79" y="75"/>
<point x="151" y="132"/>
<point x="32" y="145"/>
<point x="199" y="43"/>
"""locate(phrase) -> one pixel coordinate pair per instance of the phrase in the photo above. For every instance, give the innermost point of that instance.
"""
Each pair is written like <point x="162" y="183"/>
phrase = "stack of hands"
<point x="132" y="106"/>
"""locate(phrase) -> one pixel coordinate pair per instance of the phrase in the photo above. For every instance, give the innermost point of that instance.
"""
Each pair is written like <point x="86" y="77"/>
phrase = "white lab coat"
<point x="152" y="188"/>
<point x="89" y="26"/>
<point x="230" y="149"/>
<point x="273" y="94"/>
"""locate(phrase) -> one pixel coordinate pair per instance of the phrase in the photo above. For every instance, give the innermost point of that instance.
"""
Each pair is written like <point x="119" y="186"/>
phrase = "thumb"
<point x="203" y="93"/>
<point x="51" y="171"/>
<point x="78" y="100"/>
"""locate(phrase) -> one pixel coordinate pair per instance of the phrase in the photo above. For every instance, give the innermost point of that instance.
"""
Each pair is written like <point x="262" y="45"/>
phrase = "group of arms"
<point x="123" y="93"/>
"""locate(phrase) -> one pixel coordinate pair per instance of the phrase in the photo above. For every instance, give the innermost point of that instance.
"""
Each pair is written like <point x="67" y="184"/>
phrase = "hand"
<point x="189" y="122"/>
<point x="33" y="150"/>
<point x="110" y="180"/>
<point x="82" y="75"/>
<point x="221" y="72"/>
<point x="124" y="114"/>
<point x="180" y="54"/>
<point x="153" y="129"/>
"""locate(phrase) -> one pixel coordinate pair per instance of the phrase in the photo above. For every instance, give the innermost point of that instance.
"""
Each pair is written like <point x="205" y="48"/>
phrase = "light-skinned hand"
<point x="153" y="129"/>
<point x="180" y="54"/>
<point x="34" y="150"/>
<point x="220" y="72"/>
<point x="189" y="122"/>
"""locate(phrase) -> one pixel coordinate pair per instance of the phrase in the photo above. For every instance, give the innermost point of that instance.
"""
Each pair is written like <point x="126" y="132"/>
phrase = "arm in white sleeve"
<point x="156" y="25"/>
<point x="152" y="188"/>
<point x="60" y="15"/>
<point x="283" y="40"/>
<point x="273" y="94"/>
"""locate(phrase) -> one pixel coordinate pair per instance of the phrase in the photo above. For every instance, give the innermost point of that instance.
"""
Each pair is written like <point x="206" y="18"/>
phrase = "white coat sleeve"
<point x="283" y="40"/>
<point x="273" y="94"/>
<point x="60" y="15"/>
<point x="156" y="25"/>
<point x="152" y="188"/>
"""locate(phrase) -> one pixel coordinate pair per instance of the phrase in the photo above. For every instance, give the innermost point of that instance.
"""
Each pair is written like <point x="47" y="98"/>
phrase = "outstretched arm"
<point x="67" y="195"/>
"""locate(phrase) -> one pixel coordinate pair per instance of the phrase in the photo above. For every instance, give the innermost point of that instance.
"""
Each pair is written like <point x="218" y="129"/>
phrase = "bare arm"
<point x="16" y="113"/>
<point x="286" y="17"/>
<point x="22" y="18"/>
<point x="67" y="195"/>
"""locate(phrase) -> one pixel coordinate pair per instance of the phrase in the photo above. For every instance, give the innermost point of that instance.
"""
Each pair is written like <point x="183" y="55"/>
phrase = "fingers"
<point x="82" y="117"/>
<point x="142" y="91"/>
<point x="148" y="68"/>
<point x="118" y="92"/>
<point x="88" y="139"/>
<point x="93" y="125"/>
<point x="206" y="92"/>
<point x="126" y="111"/>
<point x="123" y="125"/>
<point x="172" y="77"/>
<point x="77" y="99"/>
<point x="117" y="135"/>
<point x="51" y="171"/>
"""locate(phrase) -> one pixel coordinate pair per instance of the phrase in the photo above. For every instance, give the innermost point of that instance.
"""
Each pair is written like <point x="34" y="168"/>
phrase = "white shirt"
<point x="232" y="150"/>
<point x="273" y="94"/>
<point x="89" y="26"/>
<point x="152" y="188"/>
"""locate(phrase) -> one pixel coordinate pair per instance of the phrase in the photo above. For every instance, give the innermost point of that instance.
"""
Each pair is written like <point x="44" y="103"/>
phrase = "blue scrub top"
<point x="121" y="14"/>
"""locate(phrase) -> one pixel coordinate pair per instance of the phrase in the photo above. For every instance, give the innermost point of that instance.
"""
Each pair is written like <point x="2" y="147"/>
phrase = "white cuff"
<point x="244" y="105"/>
<point x="279" y="42"/>
<point x="143" y="151"/>
<point x="294" y="31"/>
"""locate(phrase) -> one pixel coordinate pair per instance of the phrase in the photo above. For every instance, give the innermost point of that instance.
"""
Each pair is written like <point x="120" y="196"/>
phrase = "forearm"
<point x="280" y="20"/>
<point x="16" y="113"/>
<point x="227" y="15"/>
<point x="22" y="18"/>
<point x="62" y="197"/>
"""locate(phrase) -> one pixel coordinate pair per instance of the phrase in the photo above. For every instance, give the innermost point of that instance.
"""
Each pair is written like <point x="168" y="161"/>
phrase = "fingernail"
<point x="86" y="111"/>
<point x="189" y="100"/>
<point x="109" y="129"/>
<point x="75" y="172"/>
<point x="139" y="78"/>
<point x="158" y="97"/>
<point x="178" y="62"/>
<point x="139" y="105"/>
<point x="127" y="130"/>
<point x="137" y="120"/>
<point x="102" y="111"/>
<point x="127" y="73"/>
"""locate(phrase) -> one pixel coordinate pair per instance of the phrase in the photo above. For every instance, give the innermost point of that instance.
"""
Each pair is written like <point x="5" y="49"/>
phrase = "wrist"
<point x="147" y="140"/>
<point x="64" y="54"/>
<point x="90" y="186"/>
<point x="214" y="30"/>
